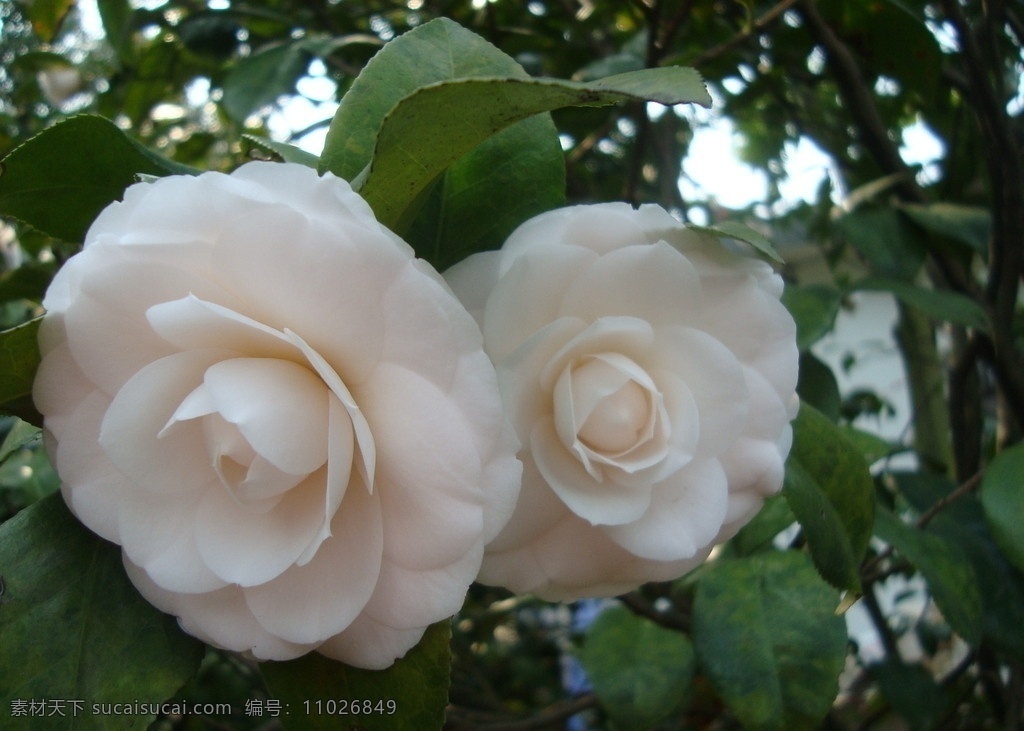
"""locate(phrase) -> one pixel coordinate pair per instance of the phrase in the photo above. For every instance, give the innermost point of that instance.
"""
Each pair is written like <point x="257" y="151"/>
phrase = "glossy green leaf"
<point x="814" y="308"/>
<point x="774" y="517"/>
<point x="73" y="627"/>
<point x="823" y="528"/>
<point x="641" y="673"/>
<point x="486" y="192"/>
<point x="890" y="245"/>
<point x="871" y="446"/>
<point x="949" y="574"/>
<point x="281" y="151"/>
<point x="817" y="386"/>
<point x="465" y="112"/>
<point x="969" y="225"/>
<point x="1000" y="584"/>
<point x="742" y="232"/>
<point x="911" y="691"/>
<point x="19" y="359"/>
<point x="769" y="639"/>
<point x="828" y="459"/>
<point x="438" y="51"/>
<point x="258" y="80"/>
<point x="316" y="693"/>
<point x="941" y="305"/>
<point x="59" y="180"/>
<point x="21" y="435"/>
<point x="1002" y="497"/>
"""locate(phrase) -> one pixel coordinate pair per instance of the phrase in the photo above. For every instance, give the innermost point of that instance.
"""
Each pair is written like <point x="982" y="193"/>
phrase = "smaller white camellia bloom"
<point x="650" y="374"/>
<point x="284" y="418"/>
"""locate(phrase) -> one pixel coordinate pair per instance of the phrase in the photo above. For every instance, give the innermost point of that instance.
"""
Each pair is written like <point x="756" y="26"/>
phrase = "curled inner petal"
<point x="616" y="422"/>
<point x="610" y="413"/>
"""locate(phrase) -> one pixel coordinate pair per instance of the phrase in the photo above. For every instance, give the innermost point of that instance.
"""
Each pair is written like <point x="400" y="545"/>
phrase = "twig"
<point x="965" y="488"/>
<point x="752" y="29"/>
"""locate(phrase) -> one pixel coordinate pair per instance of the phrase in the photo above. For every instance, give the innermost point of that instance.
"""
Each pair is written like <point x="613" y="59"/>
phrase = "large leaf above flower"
<point x="441" y="98"/>
<point x="63" y="177"/>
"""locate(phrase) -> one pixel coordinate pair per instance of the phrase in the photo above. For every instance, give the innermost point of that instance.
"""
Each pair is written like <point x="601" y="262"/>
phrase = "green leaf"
<point x="817" y="385"/>
<point x="892" y="248"/>
<point x="767" y="634"/>
<point x="823" y="527"/>
<point x="19" y="359"/>
<point x="73" y="627"/>
<point x="774" y="517"/>
<point x="20" y="436"/>
<point x="29" y="281"/>
<point x="312" y="688"/>
<point x="941" y="305"/>
<point x="871" y="446"/>
<point x="280" y="151"/>
<point x="59" y="180"/>
<point x="814" y="308"/>
<point x="485" y="193"/>
<point x="969" y="225"/>
<point x="258" y="80"/>
<point x="949" y="574"/>
<point x="1002" y="497"/>
<point x="641" y="673"/>
<point x="47" y="15"/>
<point x="116" y="18"/>
<point x="742" y="232"/>
<point x="465" y="112"/>
<point x="911" y="691"/>
<point x="440" y="50"/>
<point x="1000" y="584"/>
<point x="825" y="456"/>
<point x="513" y="176"/>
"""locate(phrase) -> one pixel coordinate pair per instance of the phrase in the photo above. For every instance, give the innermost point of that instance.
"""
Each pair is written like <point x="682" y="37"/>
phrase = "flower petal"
<point x="715" y="379"/>
<point x="280" y="407"/>
<point x="218" y="617"/>
<point x="248" y="548"/>
<point x="131" y="428"/>
<point x="310" y="603"/>
<point x="540" y="279"/>
<point x="604" y="502"/>
<point x="370" y="644"/>
<point x="191" y="323"/>
<point x="427" y="471"/>
<point x="685" y="514"/>
<point x="663" y="287"/>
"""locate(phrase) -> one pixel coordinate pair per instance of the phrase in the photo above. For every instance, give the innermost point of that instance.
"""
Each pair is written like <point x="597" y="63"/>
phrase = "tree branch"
<point x="751" y="30"/>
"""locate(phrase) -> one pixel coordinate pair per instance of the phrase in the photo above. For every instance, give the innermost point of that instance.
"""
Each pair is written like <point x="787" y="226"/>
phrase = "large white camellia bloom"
<point x="650" y="374"/>
<point x="285" y="419"/>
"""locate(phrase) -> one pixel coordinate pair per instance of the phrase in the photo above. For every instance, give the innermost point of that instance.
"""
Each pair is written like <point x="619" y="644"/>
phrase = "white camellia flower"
<point x="650" y="374"/>
<point x="285" y="419"/>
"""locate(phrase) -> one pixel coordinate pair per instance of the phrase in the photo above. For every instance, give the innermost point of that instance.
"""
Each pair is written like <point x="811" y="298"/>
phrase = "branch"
<point x="751" y="30"/>
<point x="1002" y="156"/>
<point x="869" y="572"/>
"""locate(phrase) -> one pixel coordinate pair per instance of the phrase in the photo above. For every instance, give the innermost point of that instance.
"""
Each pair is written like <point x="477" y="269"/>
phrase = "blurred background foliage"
<point x="934" y="610"/>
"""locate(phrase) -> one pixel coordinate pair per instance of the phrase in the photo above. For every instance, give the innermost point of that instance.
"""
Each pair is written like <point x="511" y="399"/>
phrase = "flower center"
<point x="617" y="420"/>
<point x="609" y="412"/>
